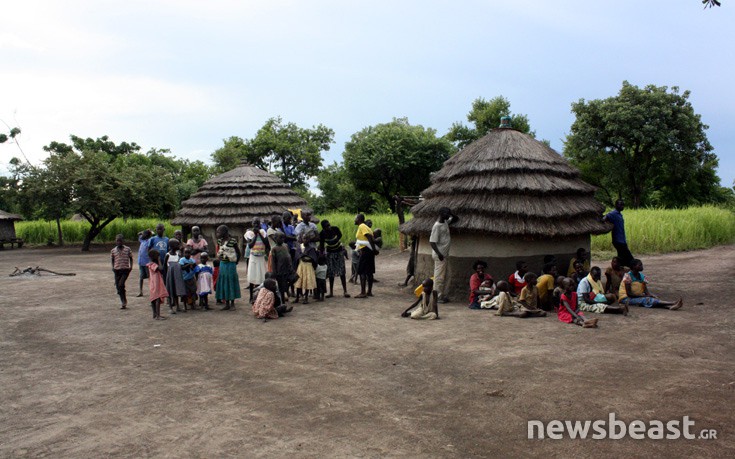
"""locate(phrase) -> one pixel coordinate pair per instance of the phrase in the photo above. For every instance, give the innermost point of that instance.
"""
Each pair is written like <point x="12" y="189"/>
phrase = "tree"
<point x="234" y="151"/>
<point x="485" y="115"/>
<point x="101" y="181"/>
<point x="394" y="157"/>
<point x="339" y="193"/>
<point x="645" y="144"/>
<point x="291" y="152"/>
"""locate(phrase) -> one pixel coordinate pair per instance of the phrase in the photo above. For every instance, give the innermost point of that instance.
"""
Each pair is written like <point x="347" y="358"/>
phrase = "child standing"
<point x="159" y="241"/>
<point x="144" y="238"/>
<point x="188" y="274"/>
<point x="567" y="310"/>
<point x="122" y="264"/>
<point x="321" y="278"/>
<point x="355" y="259"/>
<point x="174" y="280"/>
<point x="155" y="284"/>
<point x="205" y="280"/>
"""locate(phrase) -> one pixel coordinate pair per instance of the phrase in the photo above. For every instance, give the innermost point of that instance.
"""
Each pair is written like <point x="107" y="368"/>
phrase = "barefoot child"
<point x="567" y="310"/>
<point x="634" y="290"/>
<point x="205" y="280"/>
<point x="529" y="297"/>
<point x="122" y="263"/>
<point x="426" y="305"/>
<point x="266" y="305"/>
<point x="355" y="259"/>
<point x="155" y="284"/>
<point x="321" y="278"/>
<point x="174" y="279"/>
<point x="188" y="274"/>
<point x="144" y="238"/>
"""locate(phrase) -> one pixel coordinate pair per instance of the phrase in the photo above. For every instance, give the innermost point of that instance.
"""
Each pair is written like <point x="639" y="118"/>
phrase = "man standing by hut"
<point x="440" y="241"/>
<point x="618" y="233"/>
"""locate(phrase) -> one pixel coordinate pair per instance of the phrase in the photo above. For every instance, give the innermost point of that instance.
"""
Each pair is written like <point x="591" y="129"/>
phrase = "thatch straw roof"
<point x="511" y="185"/>
<point x="8" y="216"/>
<point x="236" y="197"/>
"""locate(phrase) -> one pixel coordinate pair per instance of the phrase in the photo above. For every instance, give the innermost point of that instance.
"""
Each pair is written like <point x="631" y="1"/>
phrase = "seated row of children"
<point x="527" y="295"/>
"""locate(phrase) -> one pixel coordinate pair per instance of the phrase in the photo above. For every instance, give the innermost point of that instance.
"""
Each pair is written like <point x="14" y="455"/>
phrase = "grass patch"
<point x="673" y="230"/>
<point x="648" y="230"/>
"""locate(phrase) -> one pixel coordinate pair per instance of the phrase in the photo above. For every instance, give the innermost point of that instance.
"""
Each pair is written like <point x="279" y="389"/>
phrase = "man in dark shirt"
<point x="618" y="233"/>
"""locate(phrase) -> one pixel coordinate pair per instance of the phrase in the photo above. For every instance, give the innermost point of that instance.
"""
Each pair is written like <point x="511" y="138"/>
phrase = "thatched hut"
<point x="234" y="199"/>
<point x="7" y="229"/>
<point x="517" y="199"/>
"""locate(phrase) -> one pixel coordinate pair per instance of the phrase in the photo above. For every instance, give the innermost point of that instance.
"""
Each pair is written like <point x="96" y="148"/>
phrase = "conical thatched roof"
<point x="236" y="197"/>
<point x="509" y="184"/>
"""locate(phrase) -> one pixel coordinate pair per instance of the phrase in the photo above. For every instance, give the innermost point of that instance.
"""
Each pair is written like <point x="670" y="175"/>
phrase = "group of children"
<point x="526" y="294"/>
<point x="181" y="276"/>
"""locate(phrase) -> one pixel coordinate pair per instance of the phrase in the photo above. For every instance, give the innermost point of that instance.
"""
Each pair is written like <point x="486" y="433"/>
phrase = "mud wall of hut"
<point x="501" y="256"/>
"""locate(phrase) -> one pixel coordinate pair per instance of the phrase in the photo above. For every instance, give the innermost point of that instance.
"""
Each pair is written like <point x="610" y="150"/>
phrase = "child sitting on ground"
<point x="265" y="306"/>
<point x="568" y="311"/>
<point x="508" y="306"/>
<point x="426" y="305"/>
<point x="529" y="297"/>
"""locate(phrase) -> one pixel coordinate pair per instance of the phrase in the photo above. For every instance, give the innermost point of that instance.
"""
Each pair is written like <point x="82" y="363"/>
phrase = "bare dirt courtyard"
<point x="349" y="377"/>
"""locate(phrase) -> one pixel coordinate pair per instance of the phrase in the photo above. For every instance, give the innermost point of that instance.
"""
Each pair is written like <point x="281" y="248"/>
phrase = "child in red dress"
<point x="156" y="284"/>
<point x="567" y="310"/>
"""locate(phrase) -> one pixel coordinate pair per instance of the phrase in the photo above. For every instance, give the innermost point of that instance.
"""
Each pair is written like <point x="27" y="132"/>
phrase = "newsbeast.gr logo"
<point x="615" y="429"/>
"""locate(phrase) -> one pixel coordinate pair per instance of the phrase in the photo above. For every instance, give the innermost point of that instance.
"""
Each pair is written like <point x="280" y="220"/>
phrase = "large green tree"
<point x="338" y="193"/>
<point x="291" y="152"/>
<point x="484" y="116"/>
<point x="394" y="157"/>
<point x="645" y="144"/>
<point x="101" y="181"/>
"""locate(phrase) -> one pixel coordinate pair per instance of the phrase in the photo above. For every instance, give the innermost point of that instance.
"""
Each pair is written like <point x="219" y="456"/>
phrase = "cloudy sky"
<point x="187" y="74"/>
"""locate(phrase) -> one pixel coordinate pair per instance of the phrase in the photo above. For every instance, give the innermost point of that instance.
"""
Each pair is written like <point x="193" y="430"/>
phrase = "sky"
<point x="186" y="74"/>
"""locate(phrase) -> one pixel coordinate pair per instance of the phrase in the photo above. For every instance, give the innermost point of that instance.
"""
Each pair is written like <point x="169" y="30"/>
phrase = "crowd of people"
<point x="288" y="263"/>
<point x="285" y="263"/>
<point x="527" y="294"/>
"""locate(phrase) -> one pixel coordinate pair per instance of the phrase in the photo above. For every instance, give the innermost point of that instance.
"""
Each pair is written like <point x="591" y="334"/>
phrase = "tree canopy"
<point x="394" y="157"/>
<point x="291" y="152"/>
<point x="485" y="115"/>
<point x="101" y="180"/>
<point x="646" y="145"/>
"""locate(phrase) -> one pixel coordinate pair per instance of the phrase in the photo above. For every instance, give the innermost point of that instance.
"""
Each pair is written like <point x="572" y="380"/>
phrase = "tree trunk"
<point x="58" y="230"/>
<point x="94" y="231"/>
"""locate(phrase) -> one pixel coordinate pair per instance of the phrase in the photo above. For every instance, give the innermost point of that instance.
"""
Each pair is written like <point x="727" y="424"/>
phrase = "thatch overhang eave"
<point x="514" y="228"/>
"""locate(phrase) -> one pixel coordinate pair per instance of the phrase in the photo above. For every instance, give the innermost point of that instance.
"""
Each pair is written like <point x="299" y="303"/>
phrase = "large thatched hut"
<point x="234" y="199"/>
<point x="517" y="199"/>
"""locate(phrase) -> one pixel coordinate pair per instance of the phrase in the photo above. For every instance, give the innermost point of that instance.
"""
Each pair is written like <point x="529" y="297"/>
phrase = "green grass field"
<point x="648" y="230"/>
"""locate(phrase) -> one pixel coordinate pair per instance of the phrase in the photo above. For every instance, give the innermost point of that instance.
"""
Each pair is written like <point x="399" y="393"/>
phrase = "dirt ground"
<point x="349" y="377"/>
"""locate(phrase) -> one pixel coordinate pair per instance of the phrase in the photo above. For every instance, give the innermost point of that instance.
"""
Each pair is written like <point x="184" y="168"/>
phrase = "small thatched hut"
<point x="234" y="199"/>
<point x="7" y="229"/>
<point x="517" y="199"/>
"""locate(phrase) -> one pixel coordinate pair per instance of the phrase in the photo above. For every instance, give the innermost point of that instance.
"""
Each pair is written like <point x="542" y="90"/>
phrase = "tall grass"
<point x="673" y="230"/>
<point x="648" y="230"/>
<point x="388" y="223"/>
<point x="41" y="232"/>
